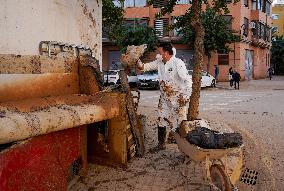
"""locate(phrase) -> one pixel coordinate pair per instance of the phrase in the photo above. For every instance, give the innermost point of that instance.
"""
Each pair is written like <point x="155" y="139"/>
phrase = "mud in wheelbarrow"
<point x="221" y="174"/>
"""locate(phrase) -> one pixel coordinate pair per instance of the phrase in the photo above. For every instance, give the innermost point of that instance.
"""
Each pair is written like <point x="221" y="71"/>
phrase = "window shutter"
<point x="161" y="27"/>
<point x="160" y="3"/>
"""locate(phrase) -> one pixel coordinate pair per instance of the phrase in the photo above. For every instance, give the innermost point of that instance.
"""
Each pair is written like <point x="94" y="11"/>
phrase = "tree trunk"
<point x="193" y="110"/>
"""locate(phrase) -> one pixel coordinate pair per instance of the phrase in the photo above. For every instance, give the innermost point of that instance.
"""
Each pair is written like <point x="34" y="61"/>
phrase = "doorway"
<point x="249" y="65"/>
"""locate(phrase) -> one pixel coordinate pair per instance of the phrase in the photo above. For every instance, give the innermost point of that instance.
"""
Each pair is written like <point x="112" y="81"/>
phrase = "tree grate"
<point x="249" y="177"/>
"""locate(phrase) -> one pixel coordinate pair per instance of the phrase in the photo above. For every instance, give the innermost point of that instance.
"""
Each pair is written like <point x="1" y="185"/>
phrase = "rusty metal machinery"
<point x="51" y="110"/>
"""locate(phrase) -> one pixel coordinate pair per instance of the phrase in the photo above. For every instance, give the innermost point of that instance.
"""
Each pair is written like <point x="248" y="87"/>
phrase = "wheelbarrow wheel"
<point x="219" y="178"/>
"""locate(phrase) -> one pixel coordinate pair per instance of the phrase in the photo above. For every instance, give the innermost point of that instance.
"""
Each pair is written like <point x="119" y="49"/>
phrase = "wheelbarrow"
<point x="216" y="163"/>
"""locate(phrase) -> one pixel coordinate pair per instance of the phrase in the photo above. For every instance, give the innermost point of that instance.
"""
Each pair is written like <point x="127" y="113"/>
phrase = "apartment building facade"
<point x="250" y="18"/>
<point x="278" y="19"/>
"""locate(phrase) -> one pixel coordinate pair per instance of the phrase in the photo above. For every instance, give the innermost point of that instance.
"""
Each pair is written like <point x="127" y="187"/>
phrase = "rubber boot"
<point x="162" y="132"/>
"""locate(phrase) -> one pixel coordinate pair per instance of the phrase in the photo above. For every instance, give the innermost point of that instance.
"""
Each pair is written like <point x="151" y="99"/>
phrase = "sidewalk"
<point x="255" y="84"/>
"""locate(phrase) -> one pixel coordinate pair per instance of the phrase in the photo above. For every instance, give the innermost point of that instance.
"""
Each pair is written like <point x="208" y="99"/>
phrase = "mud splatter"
<point x="168" y="89"/>
<point x="182" y="101"/>
<point x="169" y="122"/>
<point x="37" y="65"/>
<point x="33" y="122"/>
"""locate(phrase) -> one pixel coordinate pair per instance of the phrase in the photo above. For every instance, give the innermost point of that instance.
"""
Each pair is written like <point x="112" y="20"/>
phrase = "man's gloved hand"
<point x="140" y="64"/>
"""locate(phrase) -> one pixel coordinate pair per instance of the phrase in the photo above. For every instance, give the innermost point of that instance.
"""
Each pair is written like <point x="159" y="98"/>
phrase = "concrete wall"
<point x="25" y="23"/>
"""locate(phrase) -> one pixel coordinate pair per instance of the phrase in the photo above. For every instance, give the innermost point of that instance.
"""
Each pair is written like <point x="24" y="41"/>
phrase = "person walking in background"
<point x="236" y="79"/>
<point x="216" y="72"/>
<point x="231" y="77"/>
<point x="270" y="72"/>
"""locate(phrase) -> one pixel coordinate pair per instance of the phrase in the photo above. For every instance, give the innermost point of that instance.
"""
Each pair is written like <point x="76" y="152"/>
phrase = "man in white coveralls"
<point x="175" y="88"/>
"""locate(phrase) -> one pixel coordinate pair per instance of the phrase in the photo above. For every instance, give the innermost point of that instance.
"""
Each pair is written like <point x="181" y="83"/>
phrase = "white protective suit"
<point x="175" y="87"/>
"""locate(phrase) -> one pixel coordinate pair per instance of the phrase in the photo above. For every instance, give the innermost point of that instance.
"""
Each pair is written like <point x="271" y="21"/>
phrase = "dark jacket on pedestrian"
<point x="231" y="71"/>
<point x="236" y="77"/>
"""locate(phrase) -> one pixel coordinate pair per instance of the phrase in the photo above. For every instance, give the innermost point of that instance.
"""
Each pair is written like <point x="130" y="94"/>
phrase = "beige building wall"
<point x="238" y="60"/>
<point x="278" y="19"/>
<point x="25" y="23"/>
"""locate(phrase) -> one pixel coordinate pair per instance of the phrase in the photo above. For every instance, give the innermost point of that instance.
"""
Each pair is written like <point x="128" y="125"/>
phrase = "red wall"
<point x="40" y="163"/>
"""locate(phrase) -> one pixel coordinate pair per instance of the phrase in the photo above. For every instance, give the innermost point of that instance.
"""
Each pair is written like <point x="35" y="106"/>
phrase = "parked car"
<point x="149" y="80"/>
<point x="111" y="77"/>
<point x="132" y="80"/>
<point x="207" y="80"/>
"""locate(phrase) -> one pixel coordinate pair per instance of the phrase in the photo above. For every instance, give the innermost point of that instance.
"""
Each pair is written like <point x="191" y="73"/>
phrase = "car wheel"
<point x="158" y="87"/>
<point x="213" y="83"/>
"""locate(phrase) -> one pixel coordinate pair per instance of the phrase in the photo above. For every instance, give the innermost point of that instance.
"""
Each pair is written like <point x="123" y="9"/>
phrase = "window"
<point x="117" y="3"/>
<point x="161" y="27"/>
<point x="132" y="22"/>
<point x="263" y="8"/>
<point x="268" y="34"/>
<point x="160" y="3"/>
<point x="135" y="3"/>
<point x="184" y="1"/>
<point x="262" y="31"/>
<point x="259" y="4"/>
<point x="254" y="4"/>
<point x="114" y="60"/>
<point x="140" y="3"/>
<point x="223" y="59"/>
<point x="275" y="16"/>
<point x="228" y="18"/>
<point x="129" y="3"/>
<point x="246" y="3"/>
<point x="268" y="6"/>
<point x="246" y="26"/>
<point x="254" y="29"/>
<point x="258" y="29"/>
<point x="176" y="30"/>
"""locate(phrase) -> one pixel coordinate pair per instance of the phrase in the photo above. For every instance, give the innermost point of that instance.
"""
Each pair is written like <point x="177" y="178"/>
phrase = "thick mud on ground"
<point x="256" y="111"/>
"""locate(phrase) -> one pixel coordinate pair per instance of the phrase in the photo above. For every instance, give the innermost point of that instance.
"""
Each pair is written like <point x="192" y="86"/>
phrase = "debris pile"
<point x="209" y="139"/>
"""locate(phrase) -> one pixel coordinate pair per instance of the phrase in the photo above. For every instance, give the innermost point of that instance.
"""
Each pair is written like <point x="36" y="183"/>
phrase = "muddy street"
<point x="256" y="111"/>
